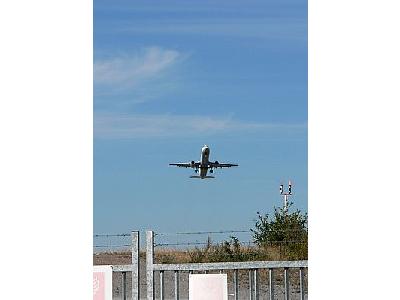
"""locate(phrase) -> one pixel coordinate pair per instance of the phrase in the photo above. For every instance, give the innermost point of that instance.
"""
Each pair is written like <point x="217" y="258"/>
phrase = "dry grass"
<point x="210" y="253"/>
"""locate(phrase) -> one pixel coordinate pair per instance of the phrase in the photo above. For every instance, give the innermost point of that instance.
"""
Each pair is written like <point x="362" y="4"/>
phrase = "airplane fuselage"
<point x="205" y="154"/>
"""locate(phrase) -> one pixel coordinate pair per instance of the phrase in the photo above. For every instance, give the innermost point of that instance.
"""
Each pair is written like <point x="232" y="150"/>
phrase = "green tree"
<point x="288" y="230"/>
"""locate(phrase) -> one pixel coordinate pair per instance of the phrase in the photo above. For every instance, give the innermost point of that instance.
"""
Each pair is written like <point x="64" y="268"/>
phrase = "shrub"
<point x="284" y="229"/>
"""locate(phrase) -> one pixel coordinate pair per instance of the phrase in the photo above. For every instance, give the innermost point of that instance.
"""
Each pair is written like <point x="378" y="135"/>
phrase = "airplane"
<point x="203" y="164"/>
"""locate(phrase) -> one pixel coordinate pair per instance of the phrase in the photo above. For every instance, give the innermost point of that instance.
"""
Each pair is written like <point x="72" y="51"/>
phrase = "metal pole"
<point x="124" y="285"/>
<point x="301" y="273"/>
<point x="149" y="264"/>
<point x="176" y="285"/>
<point x="236" y="284"/>
<point x="135" y="266"/>
<point x="250" y="284"/>
<point x="255" y="278"/>
<point x="271" y="283"/>
<point x="286" y="279"/>
<point x="161" y="285"/>
<point x="286" y="196"/>
<point x="285" y="204"/>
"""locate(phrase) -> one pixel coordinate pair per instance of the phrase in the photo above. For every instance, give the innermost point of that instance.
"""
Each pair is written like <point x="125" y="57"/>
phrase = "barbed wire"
<point x="109" y="246"/>
<point x="180" y="244"/>
<point x="242" y="243"/>
<point x="201" y="232"/>
<point x="112" y="235"/>
<point x="195" y="232"/>
<point x="223" y="232"/>
<point x="113" y="244"/>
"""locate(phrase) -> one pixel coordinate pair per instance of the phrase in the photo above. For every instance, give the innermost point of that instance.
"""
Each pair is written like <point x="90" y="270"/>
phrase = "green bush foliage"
<point x="286" y="229"/>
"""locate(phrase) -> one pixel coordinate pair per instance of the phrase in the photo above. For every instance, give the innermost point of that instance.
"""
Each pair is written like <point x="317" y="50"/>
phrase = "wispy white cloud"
<point x="128" y="73"/>
<point x="129" y="69"/>
<point x="131" y="126"/>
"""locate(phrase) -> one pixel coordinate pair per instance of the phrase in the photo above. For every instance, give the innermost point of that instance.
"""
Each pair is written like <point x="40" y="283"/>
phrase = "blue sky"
<point x="171" y="76"/>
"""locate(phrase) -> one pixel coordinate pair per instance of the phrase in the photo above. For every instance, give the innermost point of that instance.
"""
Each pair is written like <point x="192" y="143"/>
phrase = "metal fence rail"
<point x="254" y="268"/>
<point x="241" y="265"/>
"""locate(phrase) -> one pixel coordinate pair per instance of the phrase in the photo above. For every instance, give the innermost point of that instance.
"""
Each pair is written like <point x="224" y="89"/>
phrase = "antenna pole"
<point x="286" y="196"/>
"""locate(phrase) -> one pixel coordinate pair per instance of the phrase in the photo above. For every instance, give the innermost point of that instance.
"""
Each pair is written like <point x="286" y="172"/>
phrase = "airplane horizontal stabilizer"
<point x="193" y="176"/>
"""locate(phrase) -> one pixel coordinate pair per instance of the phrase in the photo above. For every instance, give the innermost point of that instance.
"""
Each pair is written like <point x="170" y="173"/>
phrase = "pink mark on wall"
<point x="99" y="287"/>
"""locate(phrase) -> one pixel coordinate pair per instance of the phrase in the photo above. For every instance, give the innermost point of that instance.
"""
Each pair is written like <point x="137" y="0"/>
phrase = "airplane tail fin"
<point x="193" y="176"/>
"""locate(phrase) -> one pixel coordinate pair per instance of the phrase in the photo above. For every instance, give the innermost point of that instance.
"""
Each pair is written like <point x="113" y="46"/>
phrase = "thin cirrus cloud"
<point x="132" y="126"/>
<point x="127" y="73"/>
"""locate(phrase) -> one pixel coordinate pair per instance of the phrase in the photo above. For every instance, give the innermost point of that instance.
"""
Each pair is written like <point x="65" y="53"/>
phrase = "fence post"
<point x="287" y="282"/>
<point x="177" y="285"/>
<point x="251" y="284"/>
<point x="162" y="293"/>
<point x="135" y="266"/>
<point x="301" y="283"/>
<point x="256" y="284"/>
<point x="123" y="285"/>
<point x="271" y="283"/>
<point x="149" y="264"/>
<point x="236" y="284"/>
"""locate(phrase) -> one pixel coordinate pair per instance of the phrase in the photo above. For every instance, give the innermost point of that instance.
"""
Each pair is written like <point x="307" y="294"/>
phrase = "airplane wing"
<point x="220" y="165"/>
<point x="186" y="165"/>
